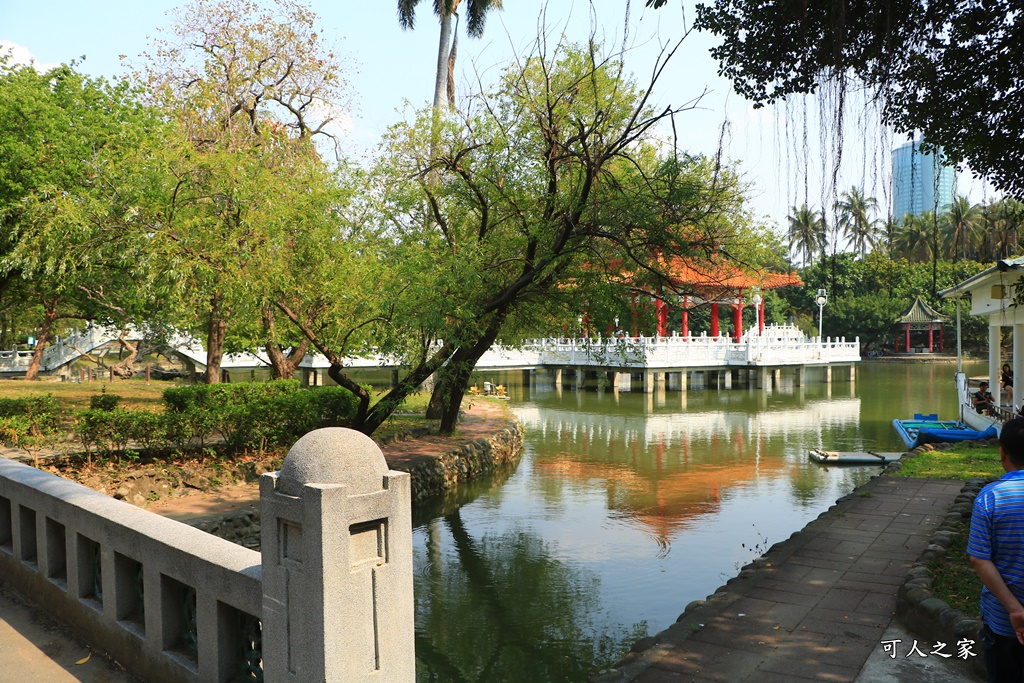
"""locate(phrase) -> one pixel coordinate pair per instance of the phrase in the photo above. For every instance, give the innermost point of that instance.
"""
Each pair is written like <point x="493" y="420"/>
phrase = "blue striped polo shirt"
<point x="997" y="534"/>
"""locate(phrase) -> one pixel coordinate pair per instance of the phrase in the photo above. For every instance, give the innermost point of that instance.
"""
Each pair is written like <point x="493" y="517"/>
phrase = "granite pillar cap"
<point x="333" y="455"/>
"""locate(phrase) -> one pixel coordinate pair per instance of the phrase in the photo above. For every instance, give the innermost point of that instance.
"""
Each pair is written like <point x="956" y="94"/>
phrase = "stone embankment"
<point x="489" y="439"/>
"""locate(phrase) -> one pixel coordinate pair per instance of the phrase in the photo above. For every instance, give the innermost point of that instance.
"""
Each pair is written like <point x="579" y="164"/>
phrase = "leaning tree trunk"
<point x="215" y="334"/>
<point x="49" y="315"/>
<point x="454" y="377"/>
<point x="125" y="369"/>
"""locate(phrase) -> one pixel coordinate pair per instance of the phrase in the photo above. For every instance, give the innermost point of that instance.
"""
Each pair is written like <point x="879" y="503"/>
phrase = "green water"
<point x="626" y="507"/>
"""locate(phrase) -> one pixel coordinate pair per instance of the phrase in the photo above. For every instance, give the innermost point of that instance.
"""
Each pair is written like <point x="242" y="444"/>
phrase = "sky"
<point x="390" y="70"/>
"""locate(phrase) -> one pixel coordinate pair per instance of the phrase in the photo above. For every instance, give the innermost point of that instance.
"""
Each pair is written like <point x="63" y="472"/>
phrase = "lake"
<point x="627" y="506"/>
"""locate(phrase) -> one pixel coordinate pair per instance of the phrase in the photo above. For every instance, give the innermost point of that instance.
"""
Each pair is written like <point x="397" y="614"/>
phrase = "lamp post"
<point x="821" y="300"/>
<point x="756" y="299"/>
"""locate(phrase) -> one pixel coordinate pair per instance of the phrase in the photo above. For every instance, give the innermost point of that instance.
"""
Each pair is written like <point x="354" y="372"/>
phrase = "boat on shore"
<point x="924" y="429"/>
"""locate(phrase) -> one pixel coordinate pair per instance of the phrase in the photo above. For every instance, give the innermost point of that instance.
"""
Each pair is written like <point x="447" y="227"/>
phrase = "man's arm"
<point x="993" y="580"/>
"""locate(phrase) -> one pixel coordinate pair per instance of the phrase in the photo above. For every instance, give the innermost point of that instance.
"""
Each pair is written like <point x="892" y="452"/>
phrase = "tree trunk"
<point x="282" y="365"/>
<point x="215" y="333"/>
<point x="126" y="368"/>
<point x="441" y="76"/>
<point x="446" y="399"/>
<point x="383" y="408"/>
<point x="49" y="315"/>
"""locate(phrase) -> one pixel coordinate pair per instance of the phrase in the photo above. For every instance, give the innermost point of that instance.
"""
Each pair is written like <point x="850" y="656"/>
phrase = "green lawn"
<point x="954" y="579"/>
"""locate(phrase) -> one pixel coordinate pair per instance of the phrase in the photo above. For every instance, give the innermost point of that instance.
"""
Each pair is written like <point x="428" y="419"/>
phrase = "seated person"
<point x="1007" y="380"/>
<point x="982" y="399"/>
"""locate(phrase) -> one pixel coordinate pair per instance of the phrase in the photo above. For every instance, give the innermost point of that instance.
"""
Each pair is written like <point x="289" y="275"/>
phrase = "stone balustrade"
<point x="332" y="587"/>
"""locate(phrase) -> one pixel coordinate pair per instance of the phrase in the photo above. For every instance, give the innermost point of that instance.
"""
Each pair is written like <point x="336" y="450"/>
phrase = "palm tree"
<point x="806" y="232"/>
<point x="962" y="222"/>
<point x="854" y="220"/>
<point x="913" y="240"/>
<point x="444" y="87"/>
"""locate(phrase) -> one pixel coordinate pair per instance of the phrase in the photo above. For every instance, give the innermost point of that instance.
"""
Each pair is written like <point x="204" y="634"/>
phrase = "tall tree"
<point x="59" y="132"/>
<point x="446" y="11"/>
<point x="806" y="232"/>
<point x="553" y="183"/>
<point x="857" y="221"/>
<point x="963" y="221"/>
<point x="247" y="85"/>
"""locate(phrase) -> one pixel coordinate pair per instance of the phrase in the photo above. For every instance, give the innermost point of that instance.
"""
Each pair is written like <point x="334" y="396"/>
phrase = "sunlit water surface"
<point x="627" y="506"/>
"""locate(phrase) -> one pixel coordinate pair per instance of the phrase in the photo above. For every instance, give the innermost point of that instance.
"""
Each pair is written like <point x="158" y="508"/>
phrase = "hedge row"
<point x="244" y="416"/>
<point x="29" y="423"/>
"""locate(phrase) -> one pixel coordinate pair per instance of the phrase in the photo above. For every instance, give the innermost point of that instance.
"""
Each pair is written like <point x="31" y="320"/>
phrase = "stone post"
<point x="337" y="564"/>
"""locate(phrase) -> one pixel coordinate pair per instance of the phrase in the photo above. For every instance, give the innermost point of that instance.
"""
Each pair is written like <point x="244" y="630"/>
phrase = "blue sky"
<point x="390" y="67"/>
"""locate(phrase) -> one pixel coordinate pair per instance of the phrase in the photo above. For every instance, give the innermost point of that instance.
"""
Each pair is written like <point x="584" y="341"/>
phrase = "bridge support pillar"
<point x="648" y="382"/>
<point x="624" y="381"/>
<point x="798" y="376"/>
<point x="727" y="379"/>
<point x="828" y="374"/>
<point x="762" y="379"/>
<point x="776" y="377"/>
<point x="676" y="381"/>
<point x="556" y="378"/>
<point x="581" y="379"/>
<point x="853" y="373"/>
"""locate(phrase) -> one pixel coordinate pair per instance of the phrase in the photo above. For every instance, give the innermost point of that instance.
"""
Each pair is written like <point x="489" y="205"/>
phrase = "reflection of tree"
<point x="508" y="611"/>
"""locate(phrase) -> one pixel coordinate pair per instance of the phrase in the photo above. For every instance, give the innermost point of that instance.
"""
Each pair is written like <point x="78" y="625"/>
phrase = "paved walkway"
<point x="818" y="605"/>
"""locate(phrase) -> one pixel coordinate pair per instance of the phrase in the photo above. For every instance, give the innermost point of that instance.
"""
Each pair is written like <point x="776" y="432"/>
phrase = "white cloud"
<point x="21" y="55"/>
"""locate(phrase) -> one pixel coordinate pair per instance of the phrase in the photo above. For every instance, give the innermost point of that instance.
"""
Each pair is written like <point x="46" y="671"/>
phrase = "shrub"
<point x="104" y="401"/>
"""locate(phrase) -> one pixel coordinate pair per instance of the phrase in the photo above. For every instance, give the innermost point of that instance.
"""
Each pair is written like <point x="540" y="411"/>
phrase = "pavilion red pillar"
<point x="662" y="308"/>
<point x="737" y="321"/>
<point x="585" y="323"/>
<point x="942" y="337"/>
<point x="931" y="344"/>
<point x="906" y="326"/>
<point x="714" y="320"/>
<point x="760" y="317"/>
<point x="686" y="317"/>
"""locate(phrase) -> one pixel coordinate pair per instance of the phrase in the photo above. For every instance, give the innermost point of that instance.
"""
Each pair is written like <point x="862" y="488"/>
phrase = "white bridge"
<point x="776" y="347"/>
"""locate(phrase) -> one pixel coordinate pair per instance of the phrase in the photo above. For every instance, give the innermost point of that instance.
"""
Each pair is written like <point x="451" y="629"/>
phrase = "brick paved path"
<point x="816" y="607"/>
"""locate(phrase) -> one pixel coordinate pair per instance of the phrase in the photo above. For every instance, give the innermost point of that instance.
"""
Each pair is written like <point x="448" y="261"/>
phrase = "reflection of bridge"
<point x="669" y="428"/>
<point x="655" y="358"/>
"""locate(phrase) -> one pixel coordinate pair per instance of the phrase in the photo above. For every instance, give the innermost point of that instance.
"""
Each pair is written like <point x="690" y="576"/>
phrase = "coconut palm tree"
<point x="913" y="240"/>
<point x="963" y="222"/>
<point x="856" y="221"/>
<point x="806" y="232"/>
<point x="476" y="11"/>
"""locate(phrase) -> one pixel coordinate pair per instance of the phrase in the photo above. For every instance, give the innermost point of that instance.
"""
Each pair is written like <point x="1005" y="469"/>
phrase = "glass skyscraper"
<point x="920" y="181"/>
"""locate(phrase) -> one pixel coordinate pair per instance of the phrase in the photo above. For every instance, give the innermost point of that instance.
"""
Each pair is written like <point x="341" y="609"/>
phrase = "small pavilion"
<point x="718" y="284"/>
<point x="919" y="317"/>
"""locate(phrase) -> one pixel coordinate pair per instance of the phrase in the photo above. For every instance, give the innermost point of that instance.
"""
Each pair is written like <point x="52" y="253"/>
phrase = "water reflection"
<point x="625" y="508"/>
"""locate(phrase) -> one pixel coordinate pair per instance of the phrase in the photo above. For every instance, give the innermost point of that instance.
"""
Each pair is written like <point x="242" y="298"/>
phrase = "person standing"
<point x="996" y="550"/>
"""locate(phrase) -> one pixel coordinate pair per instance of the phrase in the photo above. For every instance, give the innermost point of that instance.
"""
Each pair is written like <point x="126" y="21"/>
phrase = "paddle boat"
<point x="929" y="429"/>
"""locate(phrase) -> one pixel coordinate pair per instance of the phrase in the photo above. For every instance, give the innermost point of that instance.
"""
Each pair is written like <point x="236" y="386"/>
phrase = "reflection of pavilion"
<point x="667" y="470"/>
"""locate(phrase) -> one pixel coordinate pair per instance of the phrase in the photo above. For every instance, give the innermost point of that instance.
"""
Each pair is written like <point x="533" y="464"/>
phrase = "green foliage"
<point x="104" y="401"/>
<point x="30" y="423"/>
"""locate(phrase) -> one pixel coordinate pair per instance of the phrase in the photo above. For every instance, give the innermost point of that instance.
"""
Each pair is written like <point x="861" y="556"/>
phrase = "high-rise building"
<point x="920" y="180"/>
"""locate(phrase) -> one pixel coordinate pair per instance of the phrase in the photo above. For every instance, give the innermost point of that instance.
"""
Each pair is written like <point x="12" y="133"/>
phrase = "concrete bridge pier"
<point x="762" y="379"/>
<point x="648" y="382"/>
<point x="727" y="379"/>
<point x="776" y="377"/>
<point x="581" y="379"/>
<point x="798" y="375"/>
<point x="624" y="381"/>
<point x="828" y="374"/>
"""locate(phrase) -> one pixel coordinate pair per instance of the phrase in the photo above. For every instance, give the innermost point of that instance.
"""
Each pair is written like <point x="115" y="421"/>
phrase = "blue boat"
<point x="929" y="429"/>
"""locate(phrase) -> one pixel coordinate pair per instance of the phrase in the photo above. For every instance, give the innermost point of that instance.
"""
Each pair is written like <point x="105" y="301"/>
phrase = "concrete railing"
<point x="332" y="589"/>
<point x="777" y="346"/>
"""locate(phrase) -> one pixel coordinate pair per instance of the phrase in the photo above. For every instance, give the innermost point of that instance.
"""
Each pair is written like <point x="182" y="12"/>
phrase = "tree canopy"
<point x="953" y="70"/>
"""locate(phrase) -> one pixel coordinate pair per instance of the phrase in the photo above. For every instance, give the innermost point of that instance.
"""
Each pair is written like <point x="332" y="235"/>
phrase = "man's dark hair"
<point x="1011" y="441"/>
<point x="983" y="385"/>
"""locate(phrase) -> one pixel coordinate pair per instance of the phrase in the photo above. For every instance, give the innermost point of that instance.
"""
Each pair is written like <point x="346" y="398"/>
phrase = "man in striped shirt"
<point x="996" y="549"/>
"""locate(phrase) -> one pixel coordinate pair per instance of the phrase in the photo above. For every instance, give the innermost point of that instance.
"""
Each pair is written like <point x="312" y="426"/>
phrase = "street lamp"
<point x="756" y="299"/>
<point x="821" y="300"/>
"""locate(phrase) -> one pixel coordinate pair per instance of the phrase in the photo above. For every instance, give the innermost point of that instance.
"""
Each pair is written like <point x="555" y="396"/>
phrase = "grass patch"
<point x="954" y="580"/>
<point x="962" y="464"/>
<point x="134" y="392"/>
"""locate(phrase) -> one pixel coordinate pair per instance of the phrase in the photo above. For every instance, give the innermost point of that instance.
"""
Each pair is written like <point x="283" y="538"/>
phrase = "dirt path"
<point x="482" y="418"/>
